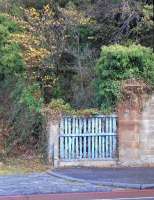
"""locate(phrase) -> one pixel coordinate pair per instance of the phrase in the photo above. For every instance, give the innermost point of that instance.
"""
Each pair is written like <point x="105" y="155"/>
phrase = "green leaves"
<point x="31" y="96"/>
<point x="9" y="24"/>
<point x="4" y="35"/>
<point x="11" y="60"/>
<point x="118" y="63"/>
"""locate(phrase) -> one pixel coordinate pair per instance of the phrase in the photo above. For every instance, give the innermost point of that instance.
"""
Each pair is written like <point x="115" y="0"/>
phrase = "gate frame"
<point x="54" y="149"/>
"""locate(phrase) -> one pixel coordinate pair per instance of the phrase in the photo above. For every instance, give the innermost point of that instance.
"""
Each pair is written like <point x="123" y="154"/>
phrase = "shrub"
<point x="23" y="96"/>
<point x="4" y="35"/>
<point x="59" y="105"/>
<point x="31" y="97"/>
<point x="118" y="63"/>
<point x="38" y="4"/>
<point x="9" y="24"/>
<point x="11" y="61"/>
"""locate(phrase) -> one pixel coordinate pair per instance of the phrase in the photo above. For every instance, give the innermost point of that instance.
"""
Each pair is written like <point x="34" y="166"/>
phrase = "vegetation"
<point x="22" y="98"/>
<point x="118" y="63"/>
<point x="20" y="165"/>
<point x="70" y="56"/>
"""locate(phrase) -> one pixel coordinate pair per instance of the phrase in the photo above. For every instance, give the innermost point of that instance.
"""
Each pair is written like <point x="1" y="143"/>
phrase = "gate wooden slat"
<point x="110" y="141"/>
<point x="69" y="138"/>
<point x="76" y="138"/>
<point x="106" y="138"/>
<point x="65" y="132"/>
<point x="114" y="138"/>
<point x="96" y="137"/>
<point x="103" y="147"/>
<point x="80" y="138"/>
<point x="73" y="131"/>
<point x="99" y="145"/>
<point x="88" y="138"/>
<point x="93" y="139"/>
<point x="62" y="139"/>
<point x="100" y="138"/>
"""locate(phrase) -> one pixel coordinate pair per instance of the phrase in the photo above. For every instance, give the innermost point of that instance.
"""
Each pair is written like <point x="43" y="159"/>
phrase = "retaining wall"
<point x="135" y="138"/>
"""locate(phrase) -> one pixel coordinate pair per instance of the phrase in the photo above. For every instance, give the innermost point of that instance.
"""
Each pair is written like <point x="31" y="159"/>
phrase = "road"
<point x="115" y="195"/>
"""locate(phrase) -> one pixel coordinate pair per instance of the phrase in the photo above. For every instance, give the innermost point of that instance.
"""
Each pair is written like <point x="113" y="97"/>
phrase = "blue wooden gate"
<point x="90" y="138"/>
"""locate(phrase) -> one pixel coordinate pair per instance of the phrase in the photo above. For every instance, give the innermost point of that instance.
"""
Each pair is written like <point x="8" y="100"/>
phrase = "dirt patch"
<point x="23" y="165"/>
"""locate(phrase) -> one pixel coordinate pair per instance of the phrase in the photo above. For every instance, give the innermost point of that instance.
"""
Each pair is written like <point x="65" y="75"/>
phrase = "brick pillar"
<point x="129" y="144"/>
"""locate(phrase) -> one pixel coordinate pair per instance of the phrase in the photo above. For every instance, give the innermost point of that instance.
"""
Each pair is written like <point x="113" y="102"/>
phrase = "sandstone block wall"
<point x="136" y="134"/>
<point x="147" y="133"/>
<point x="135" y="138"/>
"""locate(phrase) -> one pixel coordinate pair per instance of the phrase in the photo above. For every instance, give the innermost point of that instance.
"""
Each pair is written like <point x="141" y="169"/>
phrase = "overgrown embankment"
<point x="48" y="58"/>
<point x="21" y="123"/>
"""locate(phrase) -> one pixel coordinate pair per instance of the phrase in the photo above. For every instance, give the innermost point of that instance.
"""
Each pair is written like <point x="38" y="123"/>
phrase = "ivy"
<point x="23" y="95"/>
<point x="116" y="64"/>
<point x="31" y="96"/>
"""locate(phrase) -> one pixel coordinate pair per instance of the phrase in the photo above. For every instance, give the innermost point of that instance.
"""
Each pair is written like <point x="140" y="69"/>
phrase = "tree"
<point x="11" y="62"/>
<point x="119" y="63"/>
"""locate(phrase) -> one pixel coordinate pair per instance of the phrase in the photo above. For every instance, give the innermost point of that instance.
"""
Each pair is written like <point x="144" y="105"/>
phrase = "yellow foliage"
<point x="31" y="42"/>
<point x="77" y="17"/>
<point x="32" y="12"/>
<point x="25" y="39"/>
<point x="48" y="11"/>
<point x="30" y="45"/>
<point x="34" y="55"/>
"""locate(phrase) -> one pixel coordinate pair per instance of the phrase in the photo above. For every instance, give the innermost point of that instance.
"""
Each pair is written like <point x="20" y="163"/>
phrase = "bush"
<point x="118" y="63"/>
<point x="59" y="105"/>
<point x="4" y="35"/>
<point x="11" y="61"/>
<point x="38" y="4"/>
<point x="9" y="24"/>
<point x="26" y="124"/>
<point x="31" y="97"/>
<point x="23" y="97"/>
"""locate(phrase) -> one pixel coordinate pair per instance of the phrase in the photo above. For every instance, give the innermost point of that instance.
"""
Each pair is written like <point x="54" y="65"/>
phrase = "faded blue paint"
<point x="88" y="138"/>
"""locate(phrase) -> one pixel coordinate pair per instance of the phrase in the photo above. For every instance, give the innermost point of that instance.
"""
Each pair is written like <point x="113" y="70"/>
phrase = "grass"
<point x="12" y="166"/>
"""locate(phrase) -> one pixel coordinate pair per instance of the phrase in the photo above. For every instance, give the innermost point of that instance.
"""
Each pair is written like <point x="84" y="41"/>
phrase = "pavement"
<point x="77" y="180"/>
<point x="43" y="183"/>
<point x="137" y="178"/>
<point x="114" y="195"/>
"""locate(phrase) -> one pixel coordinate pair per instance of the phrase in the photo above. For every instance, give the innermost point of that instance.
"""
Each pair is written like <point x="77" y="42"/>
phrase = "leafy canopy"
<point x="118" y="63"/>
<point x="11" y="61"/>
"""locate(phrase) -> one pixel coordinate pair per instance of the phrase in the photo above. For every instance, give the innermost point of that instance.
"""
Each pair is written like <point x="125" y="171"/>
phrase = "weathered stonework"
<point x="135" y="137"/>
<point x="128" y="134"/>
<point x="53" y="142"/>
<point x="147" y="133"/>
<point x="136" y="134"/>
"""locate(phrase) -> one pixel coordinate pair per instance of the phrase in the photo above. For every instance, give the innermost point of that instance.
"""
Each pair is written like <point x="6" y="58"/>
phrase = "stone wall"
<point x="128" y="134"/>
<point x="135" y="137"/>
<point x="136" y="134"/>
<point x="146" y="131"/>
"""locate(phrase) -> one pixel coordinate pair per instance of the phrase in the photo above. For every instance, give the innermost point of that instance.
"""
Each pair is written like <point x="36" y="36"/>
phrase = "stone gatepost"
<point x="129" y="115"/>
<point x="53" y="121"/>
<point x="128" y="134"/>
<point x="147" y="133"/>
<point x="53" y="142"/>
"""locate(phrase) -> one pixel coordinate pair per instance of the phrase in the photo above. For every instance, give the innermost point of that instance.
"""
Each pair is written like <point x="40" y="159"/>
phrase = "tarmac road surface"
<point x="114" y="195"/>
